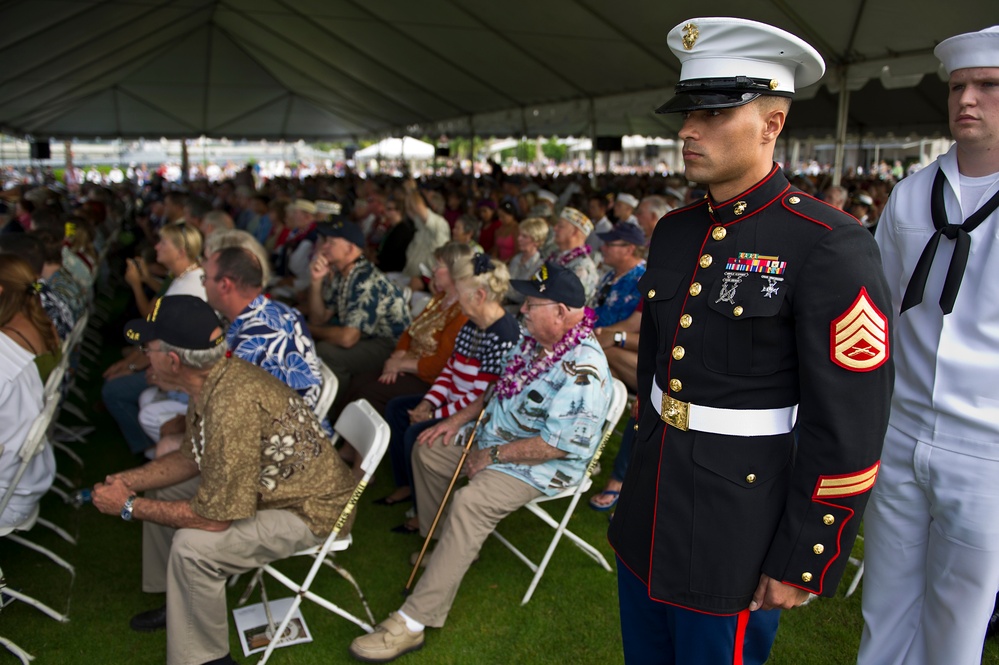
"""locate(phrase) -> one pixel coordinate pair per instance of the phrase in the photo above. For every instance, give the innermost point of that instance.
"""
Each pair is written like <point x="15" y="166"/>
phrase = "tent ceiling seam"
<point x="426" y="47"/>
<point x="334" y="111"/>
<point x="371" y="58"/>
<point x="333" y="66"/>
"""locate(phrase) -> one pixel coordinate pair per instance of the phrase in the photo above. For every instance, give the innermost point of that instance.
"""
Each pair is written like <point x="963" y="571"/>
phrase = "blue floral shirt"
<point x="616" y="301"/>
<point x="365" y="299"/>
<point x="566" y="406"/>
<point x="273" y="336"/>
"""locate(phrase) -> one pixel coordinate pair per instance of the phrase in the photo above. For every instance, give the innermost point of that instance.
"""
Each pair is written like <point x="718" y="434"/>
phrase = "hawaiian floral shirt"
<point x="365" y="299"/>
<point x="615" y="301"/>
<point x="68" y="290"/>
<point x="260" y="447"/>
<point x="566" y="406"/>
<point x="58" y="310"/>
<point x="273" y="336"/>
<point x="583" y="267"/>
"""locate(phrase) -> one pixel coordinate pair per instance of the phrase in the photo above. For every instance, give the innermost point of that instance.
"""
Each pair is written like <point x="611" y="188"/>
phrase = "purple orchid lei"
<point x="520" y="374"/>
<point x="573" y="254"/>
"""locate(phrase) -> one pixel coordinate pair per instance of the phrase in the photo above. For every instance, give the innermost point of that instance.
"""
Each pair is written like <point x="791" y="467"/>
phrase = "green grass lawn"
<point x="572" y="617"/>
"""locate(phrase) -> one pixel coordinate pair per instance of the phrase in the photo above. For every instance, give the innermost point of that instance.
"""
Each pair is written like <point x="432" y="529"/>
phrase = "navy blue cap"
<point x="626" y="232"/>
<point x="341" y="228"/>
<point x="553" y="282"/>
<point x="186" y="322"/>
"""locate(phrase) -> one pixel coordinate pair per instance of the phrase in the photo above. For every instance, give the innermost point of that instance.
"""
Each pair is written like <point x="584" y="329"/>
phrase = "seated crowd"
<point x="432" y="301"/>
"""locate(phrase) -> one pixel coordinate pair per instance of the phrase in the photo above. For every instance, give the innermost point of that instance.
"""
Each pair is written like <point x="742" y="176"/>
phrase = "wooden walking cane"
<point x="447" y="495"/>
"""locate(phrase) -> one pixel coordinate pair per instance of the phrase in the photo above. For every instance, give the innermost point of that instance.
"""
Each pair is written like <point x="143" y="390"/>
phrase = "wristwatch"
<point x="126" y="511"/>
<point x="620" y="338"/>
<point x="494" y="455"/>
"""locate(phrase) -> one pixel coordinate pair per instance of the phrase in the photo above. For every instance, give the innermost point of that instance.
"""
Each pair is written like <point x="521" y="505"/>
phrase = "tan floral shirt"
<point x="260" y="447"/>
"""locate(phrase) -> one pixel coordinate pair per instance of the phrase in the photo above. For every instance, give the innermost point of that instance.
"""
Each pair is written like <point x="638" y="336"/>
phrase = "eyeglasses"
<point x="146" y="350"/>
<point x="617" y="243"/>
<point x="205" y="278"/>
<point x="540" y="304"/>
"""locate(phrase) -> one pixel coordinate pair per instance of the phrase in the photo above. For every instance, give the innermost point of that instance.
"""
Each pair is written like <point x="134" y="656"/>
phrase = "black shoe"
<point x="148" y="622"/>
<point x="385" y="501"/>
<point x="224" y="660"/>
<point x="405" y="529"/>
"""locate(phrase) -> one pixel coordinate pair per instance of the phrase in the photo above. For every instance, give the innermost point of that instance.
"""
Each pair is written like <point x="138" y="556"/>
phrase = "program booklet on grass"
<point x="255" y="634"/>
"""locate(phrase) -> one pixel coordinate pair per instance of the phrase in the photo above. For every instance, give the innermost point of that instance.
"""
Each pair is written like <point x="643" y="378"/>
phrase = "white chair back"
<point x="328" y="392"/>
<point x="33" y="444"/>
<point x="366" y="431"/>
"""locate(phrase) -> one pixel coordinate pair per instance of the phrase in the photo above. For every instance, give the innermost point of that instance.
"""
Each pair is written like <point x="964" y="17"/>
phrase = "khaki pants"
<point x="473" y="513"/>
<point x="192" y="566"/>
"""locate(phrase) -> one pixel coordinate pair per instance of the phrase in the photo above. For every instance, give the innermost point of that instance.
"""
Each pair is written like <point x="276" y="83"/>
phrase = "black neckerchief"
<point x="958" y="262"/>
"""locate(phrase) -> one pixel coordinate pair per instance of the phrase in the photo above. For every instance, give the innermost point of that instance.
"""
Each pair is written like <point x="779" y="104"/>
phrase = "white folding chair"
<point x="328" y="392"/>
<point x="20" y="653"/>
<point x="33" y="445"/>
<point x="618" y="400"/>
<point x="368" y="433"/>
<point x="859" y="563"/>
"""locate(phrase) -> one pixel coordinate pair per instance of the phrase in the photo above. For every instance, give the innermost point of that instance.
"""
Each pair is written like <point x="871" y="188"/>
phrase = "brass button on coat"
<point x="678" y="352"/>
<point x="751" y="478"/>
<point x="705" y="260"/>
<point x="652" y="293"/>
<point x="806" y="577"/>
<point x="695" y="288"/>
<point x="828" y="520"/>
<point x="719" y="233"/>
<point x="675" y="385"/>
<point x="686" y="320"/>
<point x="737" y="310"/>
<point x="818" y="548"/>
<point x="794" y="200"/>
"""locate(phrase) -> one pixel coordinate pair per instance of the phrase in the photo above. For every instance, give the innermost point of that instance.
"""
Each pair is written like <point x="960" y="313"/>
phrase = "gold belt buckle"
<point x="674" y="412"/>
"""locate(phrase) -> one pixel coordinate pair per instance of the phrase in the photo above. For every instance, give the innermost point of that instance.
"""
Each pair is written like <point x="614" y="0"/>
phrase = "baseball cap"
<point x="186" y="322"/>
<point x="553" y="282"/>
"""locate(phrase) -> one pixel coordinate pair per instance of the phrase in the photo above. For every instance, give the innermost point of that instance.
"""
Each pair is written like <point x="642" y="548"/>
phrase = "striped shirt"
<point x="478" y="360"/>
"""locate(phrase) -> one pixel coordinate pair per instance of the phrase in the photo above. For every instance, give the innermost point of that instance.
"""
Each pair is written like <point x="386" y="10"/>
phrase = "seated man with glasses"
<point x="535" y="438"/>
<point x="256" y="480"/>
<point x="261" y="331"/>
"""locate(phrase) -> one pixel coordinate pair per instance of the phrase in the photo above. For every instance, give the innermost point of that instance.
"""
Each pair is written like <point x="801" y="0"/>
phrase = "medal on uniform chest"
<point x="770" y="290"/>
<point x="730" y="282"/>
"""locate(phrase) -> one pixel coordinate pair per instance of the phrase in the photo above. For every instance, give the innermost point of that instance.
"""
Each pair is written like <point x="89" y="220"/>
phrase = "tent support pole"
<point x="593" y="144"/>
<point x="72" y="186"/>
<point x="185" y="165"/>
<point x="471" y="152"/>
<point x="841" y="117"/>
<point x="795" y="157"/>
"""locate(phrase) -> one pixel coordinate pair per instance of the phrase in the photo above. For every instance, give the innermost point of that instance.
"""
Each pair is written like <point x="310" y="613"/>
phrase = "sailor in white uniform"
<point x="932" y="526"/>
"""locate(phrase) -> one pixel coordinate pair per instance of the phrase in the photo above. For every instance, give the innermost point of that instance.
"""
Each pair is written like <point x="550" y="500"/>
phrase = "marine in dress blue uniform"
<point x="764" y="376"/>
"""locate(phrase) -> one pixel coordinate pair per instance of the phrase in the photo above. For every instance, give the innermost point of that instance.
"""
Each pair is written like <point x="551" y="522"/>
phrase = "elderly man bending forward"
<point x="256" y="480"/>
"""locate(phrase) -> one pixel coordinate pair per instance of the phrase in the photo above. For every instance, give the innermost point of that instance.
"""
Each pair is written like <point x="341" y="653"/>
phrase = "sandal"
<point x="603" y="508"/>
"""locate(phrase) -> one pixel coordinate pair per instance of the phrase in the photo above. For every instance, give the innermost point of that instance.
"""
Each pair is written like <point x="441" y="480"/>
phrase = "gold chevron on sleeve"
<point x="846" y="485"/>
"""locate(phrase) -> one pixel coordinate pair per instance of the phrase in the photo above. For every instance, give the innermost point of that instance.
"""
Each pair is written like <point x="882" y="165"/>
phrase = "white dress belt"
<point x="733" y="422"/>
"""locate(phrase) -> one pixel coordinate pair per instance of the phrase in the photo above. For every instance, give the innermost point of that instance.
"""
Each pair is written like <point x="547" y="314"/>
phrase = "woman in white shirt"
<point x="21" y="392"/>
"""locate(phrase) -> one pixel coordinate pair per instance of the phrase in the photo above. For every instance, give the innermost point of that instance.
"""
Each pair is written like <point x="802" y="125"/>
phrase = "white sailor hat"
<point x="972" y="49"/>
<point x="545" y="195"/>
<point x="728" y="62"/>
<point x="627" y="199"/>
